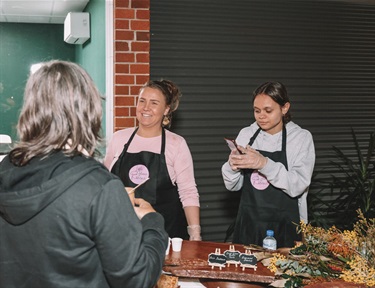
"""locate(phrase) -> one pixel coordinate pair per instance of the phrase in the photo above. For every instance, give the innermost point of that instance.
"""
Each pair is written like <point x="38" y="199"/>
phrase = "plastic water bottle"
<point x="269" y="242"/>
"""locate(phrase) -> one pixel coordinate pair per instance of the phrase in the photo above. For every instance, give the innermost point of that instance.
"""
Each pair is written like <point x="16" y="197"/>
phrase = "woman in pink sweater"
<point x="152" y="152"/>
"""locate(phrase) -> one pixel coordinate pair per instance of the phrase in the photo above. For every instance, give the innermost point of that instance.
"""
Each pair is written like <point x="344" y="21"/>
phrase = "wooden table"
<point x="192" y="262"/>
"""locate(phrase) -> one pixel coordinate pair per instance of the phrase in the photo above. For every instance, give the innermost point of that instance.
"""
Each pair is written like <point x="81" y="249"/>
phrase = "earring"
<point x="166" y="120"/>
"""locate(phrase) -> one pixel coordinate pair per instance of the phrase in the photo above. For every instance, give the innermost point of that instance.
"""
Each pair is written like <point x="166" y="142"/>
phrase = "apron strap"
<point x="283" y="144"/>
<point x="162" y="149"/>
<point x="252" y="139"/>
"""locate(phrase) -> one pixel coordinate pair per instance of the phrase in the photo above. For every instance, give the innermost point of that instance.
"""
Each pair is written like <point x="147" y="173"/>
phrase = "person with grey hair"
<point x="65" y="221"/>
<point x="273" y="170"/>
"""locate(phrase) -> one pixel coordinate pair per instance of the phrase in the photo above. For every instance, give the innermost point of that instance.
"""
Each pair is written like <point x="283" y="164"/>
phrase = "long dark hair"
<point x="61" y="106"/>
<point x="278" y="93"/>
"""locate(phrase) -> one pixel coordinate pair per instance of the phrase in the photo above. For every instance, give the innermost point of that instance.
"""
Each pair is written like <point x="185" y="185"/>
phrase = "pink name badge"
<point x="259" y="181"/>
<point x="138" y="174"/>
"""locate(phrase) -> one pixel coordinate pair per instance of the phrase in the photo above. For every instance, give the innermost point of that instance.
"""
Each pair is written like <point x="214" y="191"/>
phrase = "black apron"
<point x="263" y="206"/>
<point x="133" y="168"/>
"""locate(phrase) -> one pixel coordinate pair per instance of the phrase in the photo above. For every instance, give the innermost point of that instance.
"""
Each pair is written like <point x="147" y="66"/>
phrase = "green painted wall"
<point x="91" y="55"/>
<point x="21" y="45"/>
<point x="24" y="44"/>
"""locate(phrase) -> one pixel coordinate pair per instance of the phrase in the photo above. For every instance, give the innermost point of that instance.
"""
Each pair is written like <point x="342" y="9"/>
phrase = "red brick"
<point x="122" y="3"/>
<point x="140" y="4"/>
<point x="121" y="45"/>
<point x="125" y="35"/>
<point x="139" y="69"/>
<point x="133" y="111"/>
<point x="122" y="69"/>
<point x="142" y="14"/>
<point x="134" y="89"/>
<point x="125" y="57"/>
<point x="124" y="79"/>
<point x="124" y="122"/>
<point x="122" y="24"/>
<point x="142" y="36"/>
<point x="125" y="101"/>
<point x="127" y="82"/>
<point x="141" y="79"/>
<point x="140" y="46"/>
<point x="128" y="13"/>
<point x="122" y="111"/>
<point x="142" y="58"/>
<point x="121" y="13"/>
<point x="140" y="25"/>
<point x="122" y="90"/>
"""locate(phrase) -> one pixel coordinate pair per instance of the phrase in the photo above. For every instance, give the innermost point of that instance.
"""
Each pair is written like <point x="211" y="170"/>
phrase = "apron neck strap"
<point x="283" y="144"/>
<point x="162" y="150"/>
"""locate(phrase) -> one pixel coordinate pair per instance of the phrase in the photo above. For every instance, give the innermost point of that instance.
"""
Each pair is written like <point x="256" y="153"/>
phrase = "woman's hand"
<point x="230" y="159"/>
<point x="142" y="207"/>
<point x="194" y="232"/>
<point x="250" y="159"/>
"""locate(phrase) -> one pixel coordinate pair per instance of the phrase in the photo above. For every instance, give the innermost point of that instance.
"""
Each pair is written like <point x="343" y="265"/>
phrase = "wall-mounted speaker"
<point x="77" y="27"/>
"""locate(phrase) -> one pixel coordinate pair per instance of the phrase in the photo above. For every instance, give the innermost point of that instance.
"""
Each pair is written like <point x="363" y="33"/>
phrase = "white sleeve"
<point x="233" y="180"/>
<point x="301" y="159"/>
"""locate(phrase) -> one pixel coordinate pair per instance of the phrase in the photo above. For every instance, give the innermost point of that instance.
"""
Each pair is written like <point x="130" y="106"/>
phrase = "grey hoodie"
<point x="67" y="222"/>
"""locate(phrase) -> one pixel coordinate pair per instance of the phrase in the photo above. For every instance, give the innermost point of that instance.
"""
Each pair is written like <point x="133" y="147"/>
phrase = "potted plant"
<point x="351" y="186"/>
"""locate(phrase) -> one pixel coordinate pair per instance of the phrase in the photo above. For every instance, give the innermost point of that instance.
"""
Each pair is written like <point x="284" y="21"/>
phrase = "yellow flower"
<point x="276" y="257"/>
<point x="359" y="272"/>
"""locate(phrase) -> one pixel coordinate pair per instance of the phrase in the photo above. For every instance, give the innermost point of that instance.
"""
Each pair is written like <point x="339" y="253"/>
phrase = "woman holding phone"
<point x="152" y="152"/>
<point x="273" y="172"/>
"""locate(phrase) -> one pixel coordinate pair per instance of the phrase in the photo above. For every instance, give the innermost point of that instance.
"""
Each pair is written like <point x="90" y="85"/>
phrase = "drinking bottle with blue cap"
<point x="270" y="242"/>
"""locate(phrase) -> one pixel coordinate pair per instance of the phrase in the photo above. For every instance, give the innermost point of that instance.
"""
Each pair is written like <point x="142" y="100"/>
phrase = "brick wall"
<point x="131" y="57"/>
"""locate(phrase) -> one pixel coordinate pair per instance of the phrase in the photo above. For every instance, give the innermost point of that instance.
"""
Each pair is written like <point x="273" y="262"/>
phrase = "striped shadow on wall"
<point x="219" y="51"/>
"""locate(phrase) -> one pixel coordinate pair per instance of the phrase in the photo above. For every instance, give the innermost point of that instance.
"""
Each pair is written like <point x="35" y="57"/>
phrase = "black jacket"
<point x="67" y="222"/>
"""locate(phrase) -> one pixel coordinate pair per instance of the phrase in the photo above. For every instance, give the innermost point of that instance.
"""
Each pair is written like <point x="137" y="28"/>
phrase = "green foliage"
<point x="352" y="187"/>
<point x="328" y="254"/>
<point x="292" y="281"/>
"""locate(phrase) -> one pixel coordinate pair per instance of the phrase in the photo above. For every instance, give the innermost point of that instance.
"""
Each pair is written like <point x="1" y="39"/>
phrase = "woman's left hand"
<point x="194" y="232"/>
<point x="250" y="159"/>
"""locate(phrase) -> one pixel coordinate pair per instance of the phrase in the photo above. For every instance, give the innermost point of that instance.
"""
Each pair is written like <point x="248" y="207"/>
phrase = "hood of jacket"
<point x="26" y="191"/>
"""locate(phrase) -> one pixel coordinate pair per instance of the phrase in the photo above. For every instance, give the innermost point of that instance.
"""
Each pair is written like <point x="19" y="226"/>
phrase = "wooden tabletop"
<point x="192" y="262"/>
<point x="230" y="284"/>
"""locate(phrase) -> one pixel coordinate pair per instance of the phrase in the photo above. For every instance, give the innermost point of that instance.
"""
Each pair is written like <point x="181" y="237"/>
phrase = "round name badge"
<point x="138" y="173"/>
<point x="258" y="180"/>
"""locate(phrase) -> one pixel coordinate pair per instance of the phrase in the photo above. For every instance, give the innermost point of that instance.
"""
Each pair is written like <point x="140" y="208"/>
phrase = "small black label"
<point x="247" y="259"/>
<point x="217" y="259"/>
<point x="232" y="256"/>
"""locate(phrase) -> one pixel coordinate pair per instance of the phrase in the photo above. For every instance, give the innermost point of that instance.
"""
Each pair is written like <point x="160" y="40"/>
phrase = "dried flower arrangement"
<point x="330" y="254"/>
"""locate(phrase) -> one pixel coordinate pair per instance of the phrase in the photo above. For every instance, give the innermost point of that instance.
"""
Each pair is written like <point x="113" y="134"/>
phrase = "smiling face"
<point x="269" y="114"/>
<point x="151" y="108"/>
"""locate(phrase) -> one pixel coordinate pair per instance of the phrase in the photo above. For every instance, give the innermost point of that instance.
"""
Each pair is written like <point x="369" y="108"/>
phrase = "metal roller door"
<point x="218" y="52"/>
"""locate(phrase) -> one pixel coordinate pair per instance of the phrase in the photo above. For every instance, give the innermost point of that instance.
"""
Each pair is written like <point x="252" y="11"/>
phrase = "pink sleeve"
<point x="115" y="146"/>
<point x="183" y="170"/>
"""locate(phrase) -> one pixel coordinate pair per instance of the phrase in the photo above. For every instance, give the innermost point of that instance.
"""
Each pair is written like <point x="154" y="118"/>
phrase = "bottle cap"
<point x="269" y="233"/>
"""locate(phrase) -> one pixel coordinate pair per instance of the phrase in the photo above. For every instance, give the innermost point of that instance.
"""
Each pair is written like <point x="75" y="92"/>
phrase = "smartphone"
<point x="232" y="144"/>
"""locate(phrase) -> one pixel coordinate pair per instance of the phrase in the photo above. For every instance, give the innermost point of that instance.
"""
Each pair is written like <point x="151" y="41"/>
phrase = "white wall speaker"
<point x="77" y="27"/>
